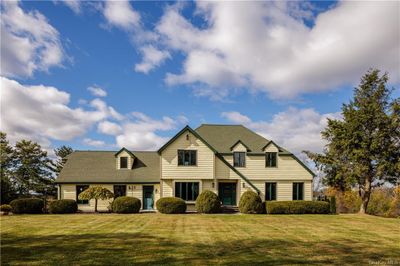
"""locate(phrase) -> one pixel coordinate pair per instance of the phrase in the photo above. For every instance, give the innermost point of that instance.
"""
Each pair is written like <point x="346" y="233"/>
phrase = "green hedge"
<point x="208" y="202"/>
<point x="332" y="204"/>
<point x="298" y="207"/>
<point x="126" y="205"/>
<point x="250" y="202"/>
<point x="31" y="206"/>
<point x="63" y="206"/>
<point x="171" y="205"/>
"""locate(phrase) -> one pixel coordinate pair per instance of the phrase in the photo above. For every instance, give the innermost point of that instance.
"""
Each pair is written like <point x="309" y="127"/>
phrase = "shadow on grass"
<point x="139" y="248"/>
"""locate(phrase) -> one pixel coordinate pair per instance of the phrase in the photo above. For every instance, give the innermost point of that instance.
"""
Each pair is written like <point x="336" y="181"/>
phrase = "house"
<point x="226" y="159"/>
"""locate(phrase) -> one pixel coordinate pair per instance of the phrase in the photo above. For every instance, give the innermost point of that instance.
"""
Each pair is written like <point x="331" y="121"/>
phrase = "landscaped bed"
<point x="198" y="239"/>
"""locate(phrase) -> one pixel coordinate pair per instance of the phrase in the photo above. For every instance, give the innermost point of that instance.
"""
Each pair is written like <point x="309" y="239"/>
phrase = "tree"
<point x="96" y="193"/>
<point x="363" y="149"/>
<point x="32" y="169"/>
<point x="8" y="192"/>
<point x="61" y="154"/>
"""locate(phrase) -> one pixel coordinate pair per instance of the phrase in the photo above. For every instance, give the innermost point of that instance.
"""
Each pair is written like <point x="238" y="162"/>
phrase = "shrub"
<point x="208" y="202"/>
<point x="394" y="210"/>
<point x="126" y="205"/>
<point x="298" y="207"/>
<point x="63" y="206"/>
<point x="5" y="208"/>
<point x="31" y="206"/>
<point x="171" y="205"/>
<point x="250" y="202"/>
<point x="332" y="204"/>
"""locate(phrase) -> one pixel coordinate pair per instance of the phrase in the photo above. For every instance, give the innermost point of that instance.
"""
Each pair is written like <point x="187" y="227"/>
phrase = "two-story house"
<point x="226" y="159"/>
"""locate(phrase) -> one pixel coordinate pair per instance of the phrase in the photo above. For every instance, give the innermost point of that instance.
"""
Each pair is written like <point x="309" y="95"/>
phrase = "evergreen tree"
<point x="61" y="154"/>
<point x="363" y="149"/>
<point x="8" y="192"/>
<point x="32" y="169"/>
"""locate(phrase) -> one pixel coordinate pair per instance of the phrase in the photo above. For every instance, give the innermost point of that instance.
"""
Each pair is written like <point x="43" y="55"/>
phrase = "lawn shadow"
<point x="145" y="248"/>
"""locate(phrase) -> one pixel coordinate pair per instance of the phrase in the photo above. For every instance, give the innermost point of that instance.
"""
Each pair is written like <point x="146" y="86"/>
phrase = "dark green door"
<point x="148" y="199"/>
<point x="227" y="193"/>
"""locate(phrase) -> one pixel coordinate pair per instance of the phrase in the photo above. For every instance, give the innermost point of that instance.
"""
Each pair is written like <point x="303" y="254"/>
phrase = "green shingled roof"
<point x="100" y="167"/>
<point x="223" y="137"/>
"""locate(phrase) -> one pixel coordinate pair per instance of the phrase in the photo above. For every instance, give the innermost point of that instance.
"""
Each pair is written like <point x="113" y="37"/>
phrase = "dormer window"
<point x="123" y="162"/>
<point x="270" y="159"/>
<point x="239" y="159"/>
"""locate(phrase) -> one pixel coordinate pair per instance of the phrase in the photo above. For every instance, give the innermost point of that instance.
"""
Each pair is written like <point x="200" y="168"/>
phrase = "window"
<point x="298" y="191"/>
<point x="187" y="157"/>
<point x="123" y="162"/>
<point x="239" y="159"/>
<point x="270" y="159"/>
<point x="79" y="190"/>
<point x="119" y="191"/>
<point x="187" y="190"/>
<point x="270" y="191"/>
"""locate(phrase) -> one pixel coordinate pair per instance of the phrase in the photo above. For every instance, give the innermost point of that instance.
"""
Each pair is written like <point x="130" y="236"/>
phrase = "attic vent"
<point x="187" y="136"/>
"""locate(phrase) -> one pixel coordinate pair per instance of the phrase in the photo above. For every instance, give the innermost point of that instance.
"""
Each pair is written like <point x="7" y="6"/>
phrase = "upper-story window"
<point x="270" y="159"/>
<point x="187" y="157"/>
<point x="239" y="159"/>
<point x="123" y="162"/>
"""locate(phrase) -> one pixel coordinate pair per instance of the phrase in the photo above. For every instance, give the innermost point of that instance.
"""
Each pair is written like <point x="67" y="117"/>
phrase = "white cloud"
<point x="28" y="42"/>
<point x="109" y="128"/>
<point x="152" y="57"/>
<point x="121" y="14"/>
<point x="93" y="142"/>
<point x="97" y="91"/>
<point x="74" y="5"/>
<point x="294" y="129"/>
<point x="265" y="46"/>
<point x="140" y="133"/>
<point x="42" y="113"/>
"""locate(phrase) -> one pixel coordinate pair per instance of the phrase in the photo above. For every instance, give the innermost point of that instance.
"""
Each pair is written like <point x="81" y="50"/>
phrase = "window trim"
<point x="244" y="159"/>
<point x="297" y="190"/>
<point x="119" y="185"/>
<point x="187" y="181"/>
<point x="76" y="192"/>
<point x="276" y="160"/>
<point x="182" y="150"/>
<point x="127" y="162"/>
<point x="276" y="189"/>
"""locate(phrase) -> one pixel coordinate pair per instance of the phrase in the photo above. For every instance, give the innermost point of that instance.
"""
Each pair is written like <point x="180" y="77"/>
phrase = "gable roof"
<point x="241" y="142"/>
<point x="124" y="149"/>
<point x="221" y="137"/>
<point x="100" y="167"/>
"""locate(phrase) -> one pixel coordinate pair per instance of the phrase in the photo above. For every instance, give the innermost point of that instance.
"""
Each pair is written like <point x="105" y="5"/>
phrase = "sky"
<point x="111" y="74"/>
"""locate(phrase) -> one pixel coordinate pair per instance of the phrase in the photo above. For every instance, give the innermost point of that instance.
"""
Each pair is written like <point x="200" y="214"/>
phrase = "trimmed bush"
<point x="5" y="208"/>
<point x="31" y="206"/>
<point x="208" y="202"/>
<point x="63" y="206"/>
<point x="332" y="204"/>
<point x="126" y="205"/>
<point x="171" y="205"/>
<point x="250" y="202"/>
<point x="298" y="207"/>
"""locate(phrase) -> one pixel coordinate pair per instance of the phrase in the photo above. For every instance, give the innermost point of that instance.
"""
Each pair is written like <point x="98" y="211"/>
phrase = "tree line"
<point x="26" y="169"/>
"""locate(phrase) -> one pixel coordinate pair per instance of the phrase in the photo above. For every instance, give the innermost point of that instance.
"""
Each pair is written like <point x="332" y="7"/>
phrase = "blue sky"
<point x="280" y="68"/>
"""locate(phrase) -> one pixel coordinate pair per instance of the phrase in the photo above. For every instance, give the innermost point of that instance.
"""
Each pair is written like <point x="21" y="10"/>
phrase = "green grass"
<point x="84" y="239"/>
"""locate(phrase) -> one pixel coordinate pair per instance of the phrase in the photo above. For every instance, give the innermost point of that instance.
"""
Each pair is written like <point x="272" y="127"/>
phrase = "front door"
<point x="227" y="193"/>
<point x="148" y="197"/>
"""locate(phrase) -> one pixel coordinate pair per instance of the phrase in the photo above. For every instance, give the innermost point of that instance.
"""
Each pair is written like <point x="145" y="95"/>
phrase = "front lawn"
<point x="84" y="239"/>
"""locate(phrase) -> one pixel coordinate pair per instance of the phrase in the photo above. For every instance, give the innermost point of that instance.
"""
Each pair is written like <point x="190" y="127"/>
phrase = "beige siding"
<point x="271" y="148"/>
<point x="239" y="147"/>
<point x="288" y="169"/>
<point x="208" y="185"/>
<point x="205" y="160"/>
<point x="166" y="187"/>
<point x="68" y="192"/>
<point x="124" y="154"/>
